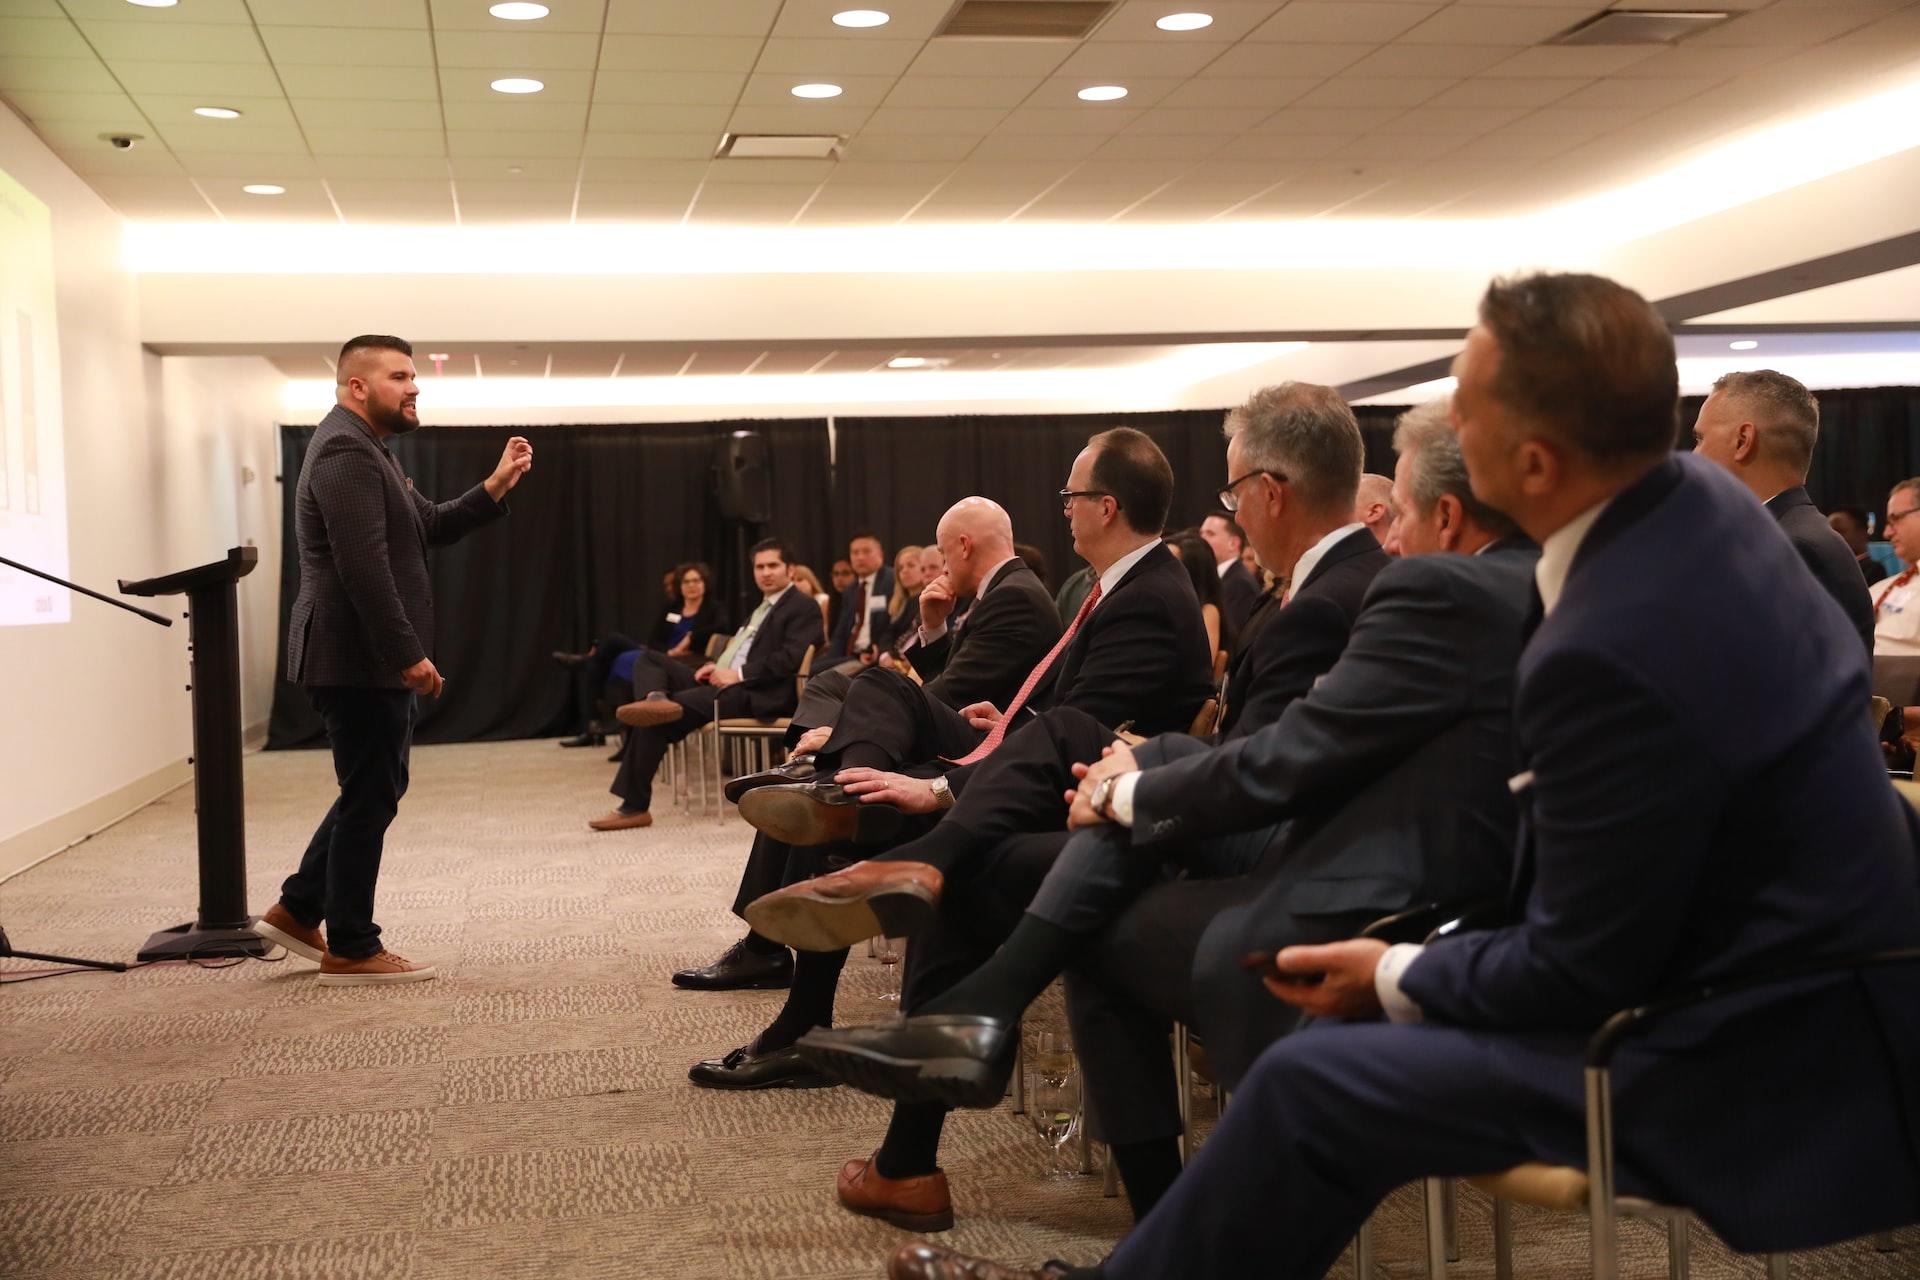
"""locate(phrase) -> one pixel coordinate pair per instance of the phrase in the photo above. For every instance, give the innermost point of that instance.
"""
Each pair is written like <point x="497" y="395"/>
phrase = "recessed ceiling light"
<point x="438" y="355"/>
<point x="907" y="362"/>
<point x="517" y="84"/>
<point x="1185" y="21"/>
<point x="1745" y="344"/>
<point x="816" y="91"/>
<point x="154" y="4"/>
<point x="1103" y="93"/>
<point x="263" y="189"/>
<point x="861" y="18"/>
<point x="519" y="11"/>
<point x="217" y="113"/>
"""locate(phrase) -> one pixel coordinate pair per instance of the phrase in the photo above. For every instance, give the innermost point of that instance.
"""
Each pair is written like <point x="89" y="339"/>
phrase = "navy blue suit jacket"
<point x="1701" y="795"/>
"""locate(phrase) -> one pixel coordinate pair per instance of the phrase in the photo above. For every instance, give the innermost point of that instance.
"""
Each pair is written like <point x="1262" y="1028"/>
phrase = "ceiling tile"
<point x="1232" y="19"/>
<point x="174" y="187"/>
<point x="789" y="173"/>
<point x="678" y="53"/>
<point x="1578" y="122"/>
<point x="1325" y="120"/>
<point x="222" y="78"/>
<point x="1264" y="60"/>
<point x="1704" y="63"/>
<point x="504" y="52"/>
<point x="55" y="75"/>
<point x="1025" y="146"/>
<point x="174" y="42"/>
<point x="304" y="201"/>
<point x="642" y="169"/>
<point x="89" y="157"/>
<point x="1160" y="58"/>
<point x="991" y="57"/>
<point x="424" y="212"/>
<point x="230" y="136"/>
<point x="1505" y="92"/>
<point x="765" y="89"/>
<point x="1497" y="24"/>
<point x="838" y="57"/>
<point x="1321" y="23"/>
<point x="1149" y="146"/>
<point x="1627" y="93"/>
<point x="1388" y="146"/>
<point x="669" y="88"/>
<point x="1102" y="122"/>
<point x="353" y="14"/>
<point x="634" y="118"/>
<point x="228" y="164"/>
<point x="909" y="20"/>
<point x="41" y="104"/>
<point x="1450" y="121"/>
<point x="1430" y="60"/>
<point x="377" y="142"/>
<point x="1408" y="92"/>
<point x="387" y="166"/>
<point x="120" y="10"/>
<point x="908" y="146"/>
<point x="1240" y="91"/>
<point x="1137" y="172"/>
<point x="1063" y="93"/>
<point x="800" y="117"/>
<point x="366" y="113"/>
<point x="961" y="91"/>
<point x="475" y="84"/>
<point x="501" y="168"/>
<point x="644" y="146"/>
<point x="1572" y="61"/>
<point x="542" y="213"/>
<point x="521" y="115"/>
<point x="514" y="191"/>
<point x="45" y="38"/>
<point x="349" y="191"/>
<point x="1789" y="28"/>
<point x="1192" y="122"/>
<point x="466" y="15"/>
<point x="1284" y="146"/>
<point x="1503" y="144"/>
<point x="706" y="18"/>
<point x="166" y="108"/>
<point x="375" y="83"/>
<point x="650" y="194"/>
<point x="859" y="172"/>
<point x="330" y="46"/>
<point x="933" y="120"/>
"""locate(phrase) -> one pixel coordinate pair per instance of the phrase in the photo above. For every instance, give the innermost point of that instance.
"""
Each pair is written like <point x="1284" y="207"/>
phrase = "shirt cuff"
<point x="930" y="634"/>
<point x="1120" y="803"/>
<point x="1399" y="1006"/>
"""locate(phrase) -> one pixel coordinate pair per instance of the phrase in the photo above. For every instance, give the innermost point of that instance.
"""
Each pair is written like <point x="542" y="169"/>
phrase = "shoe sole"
<point x="262" y="929"/>
<point x="796" y="818"/>
<point x="815" y="922"/>
<point x="942" y="1221"/>
<point x="746" y="782"/>
<point x="375" y="979"/>
<point x="770" y="983"/>
<point x="784" y="1082"/>
<point x="649" y="719"/>
<point x="953" y="1082"/>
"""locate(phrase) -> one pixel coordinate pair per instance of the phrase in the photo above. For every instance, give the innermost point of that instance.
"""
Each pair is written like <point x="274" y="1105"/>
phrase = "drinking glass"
<point x="1053" y="1102"/>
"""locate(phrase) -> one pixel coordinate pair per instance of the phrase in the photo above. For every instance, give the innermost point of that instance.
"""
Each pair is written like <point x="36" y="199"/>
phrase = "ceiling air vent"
<point x="780" y="146"/>
<point x="1637" y="26"/>
<point x="1024" y="19"/>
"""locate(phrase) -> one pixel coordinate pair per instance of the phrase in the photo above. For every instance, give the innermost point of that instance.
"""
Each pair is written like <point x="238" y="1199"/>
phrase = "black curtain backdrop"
<point x="1869" y="442"/>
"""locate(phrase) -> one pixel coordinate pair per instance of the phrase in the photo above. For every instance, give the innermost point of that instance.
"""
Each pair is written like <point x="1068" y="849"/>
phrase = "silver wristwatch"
<point x="942" y="793"/>
<point x="1103" y="797"/>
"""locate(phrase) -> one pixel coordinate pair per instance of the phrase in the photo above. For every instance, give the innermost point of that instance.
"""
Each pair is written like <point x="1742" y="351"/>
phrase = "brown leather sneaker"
<point x="278" y="925"/>
<point x="912" y="1204"/>
<point x="375" y="969"/>
<point x="895" y="898"/>
<point x="614" y="820"/>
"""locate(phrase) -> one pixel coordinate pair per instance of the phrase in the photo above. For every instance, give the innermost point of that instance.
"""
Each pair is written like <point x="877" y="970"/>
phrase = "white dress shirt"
<point x="1118" y="570"/>
<point x="863" y="634"/>
<point x="1896" y="615"/>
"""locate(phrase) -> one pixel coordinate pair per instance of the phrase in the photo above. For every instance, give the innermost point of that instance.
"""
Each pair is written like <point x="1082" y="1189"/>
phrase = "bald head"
<point x="975" y="534"/>
<point x="1373" y="504"/>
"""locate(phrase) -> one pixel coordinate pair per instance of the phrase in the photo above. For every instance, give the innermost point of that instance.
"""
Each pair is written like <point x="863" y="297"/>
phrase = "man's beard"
<point x="395" y="421"/>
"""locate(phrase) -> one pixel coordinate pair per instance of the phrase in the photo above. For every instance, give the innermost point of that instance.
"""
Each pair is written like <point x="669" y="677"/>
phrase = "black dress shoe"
<point x="739" y="969"/>
<point x="585" y="740"/>
<point x="957" y="1059"/>
<point x="741" y="1069"/>
<point x="814" y="813"/>
<point x="798" y="769"/>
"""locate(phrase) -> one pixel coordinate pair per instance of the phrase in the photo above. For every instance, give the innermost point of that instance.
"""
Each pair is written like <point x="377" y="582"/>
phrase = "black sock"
<point x="911" y="1148"/>
<point x="1147" y="1170"/>
<point x="1031" y="957"/>
<point x="816" y="976"/>
<point x="760" y="946"/>
<point x="945" y="847"/>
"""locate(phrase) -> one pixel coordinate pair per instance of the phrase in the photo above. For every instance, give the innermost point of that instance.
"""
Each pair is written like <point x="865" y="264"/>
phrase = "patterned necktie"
<point x="1034" y="677"/>
<point x="1905" y="577"/>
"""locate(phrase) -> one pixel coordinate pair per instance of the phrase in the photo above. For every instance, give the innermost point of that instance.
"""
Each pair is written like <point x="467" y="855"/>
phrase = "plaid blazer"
<point x="365" y="609"/>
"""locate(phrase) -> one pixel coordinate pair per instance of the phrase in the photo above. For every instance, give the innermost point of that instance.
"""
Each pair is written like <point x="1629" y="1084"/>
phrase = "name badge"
<point x="1520" y="782"/>
<point x="876" y="602"/>
<point x="673" y="617"/>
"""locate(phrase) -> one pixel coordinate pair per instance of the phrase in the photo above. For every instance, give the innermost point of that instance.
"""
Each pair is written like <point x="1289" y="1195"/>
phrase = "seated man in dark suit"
<point x="1010" y="627"/>
<point x="1239" y="589"/>
<point x="1382" y="786"/>
<point x="1762" y="426"/>
<point x="1675" y="830"/>
<point x="863" y="627"/>
<point x="753" y="676"/>
<point x="1137" y="648"/>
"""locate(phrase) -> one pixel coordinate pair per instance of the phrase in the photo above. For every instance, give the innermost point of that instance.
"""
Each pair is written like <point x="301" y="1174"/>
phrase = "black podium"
<point x="213" y="613"/>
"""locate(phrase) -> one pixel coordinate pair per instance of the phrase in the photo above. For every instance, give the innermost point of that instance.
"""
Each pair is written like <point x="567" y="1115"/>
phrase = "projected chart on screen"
<point x="33" y="490"/>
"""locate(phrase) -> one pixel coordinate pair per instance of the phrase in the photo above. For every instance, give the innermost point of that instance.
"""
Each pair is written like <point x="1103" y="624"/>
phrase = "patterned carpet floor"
<point x="527" y="1114"/>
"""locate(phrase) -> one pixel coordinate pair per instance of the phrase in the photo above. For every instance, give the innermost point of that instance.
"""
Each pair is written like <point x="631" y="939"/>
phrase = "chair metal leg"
<point x="1600" y="1209"/>
<point x="1450" y="1220"/>
<point x="1436" y="1197"/>
<point x="1502" y="1239"/>
<point x="1020" y="1077"/>
<point x="1363" y="1251"/>
<point x="1678" y="1237"/>
<point x="1086" y="1143"/>
<point x="1110" y="1177"/>
<point x="1776" y="1266"/>
<point x="1183" y="1083"/>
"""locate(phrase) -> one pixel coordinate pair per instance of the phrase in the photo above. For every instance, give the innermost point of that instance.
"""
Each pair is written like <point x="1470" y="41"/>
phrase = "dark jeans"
<point x="371" y="732"/>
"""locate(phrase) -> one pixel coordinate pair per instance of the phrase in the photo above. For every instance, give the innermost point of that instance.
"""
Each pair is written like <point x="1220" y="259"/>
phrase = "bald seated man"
<point x="1373" y="505"/>
<point x="1761" y="426"/>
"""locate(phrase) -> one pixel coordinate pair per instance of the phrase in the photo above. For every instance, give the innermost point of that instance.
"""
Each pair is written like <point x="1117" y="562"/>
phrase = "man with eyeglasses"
<point x="1896" y="600"/>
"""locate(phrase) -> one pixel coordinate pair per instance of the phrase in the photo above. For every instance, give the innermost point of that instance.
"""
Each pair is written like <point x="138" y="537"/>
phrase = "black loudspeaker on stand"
<point x="213" y="612"/>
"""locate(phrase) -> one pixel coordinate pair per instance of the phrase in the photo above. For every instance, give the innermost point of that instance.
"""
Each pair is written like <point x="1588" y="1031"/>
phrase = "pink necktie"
<point x="1034" y="677"/>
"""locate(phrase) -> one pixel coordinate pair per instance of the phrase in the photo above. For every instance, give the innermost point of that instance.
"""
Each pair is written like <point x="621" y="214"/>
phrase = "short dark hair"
<point x="1225" y="517"/>
<point x="693" y="566"/>
<point x="858" y="534"/>
<point x="1785" y="411"/>
<point x="1857" y="515"/>
<point x="1586" y="359"/>
<point x="376" y="342"/>
<point x="1129" y="467"/>
<point x="767" y="544"/>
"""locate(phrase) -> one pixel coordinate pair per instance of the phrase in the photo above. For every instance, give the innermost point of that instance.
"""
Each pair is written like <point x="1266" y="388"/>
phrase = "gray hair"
<point x="1785" y="411"/>
<point x="1438" y="467"/>
<point x="1306" y="433"/>
<point x="1908" y="487"/>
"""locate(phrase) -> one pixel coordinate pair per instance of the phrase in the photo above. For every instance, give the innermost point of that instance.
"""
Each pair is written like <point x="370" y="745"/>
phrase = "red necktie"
<point x="1905" y="577"/>
<point x="1034" y="677"/>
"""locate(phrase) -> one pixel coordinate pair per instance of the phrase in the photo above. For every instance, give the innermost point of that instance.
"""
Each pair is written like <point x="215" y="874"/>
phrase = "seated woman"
<point x="1197" y="558"/>
<point x="904" y="607"/>
<point x="805" y="579"/>
<point x="620" y="669"/>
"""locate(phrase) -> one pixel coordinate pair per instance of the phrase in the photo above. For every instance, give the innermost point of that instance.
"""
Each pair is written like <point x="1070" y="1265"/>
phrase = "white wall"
<point x="94" y="714"/>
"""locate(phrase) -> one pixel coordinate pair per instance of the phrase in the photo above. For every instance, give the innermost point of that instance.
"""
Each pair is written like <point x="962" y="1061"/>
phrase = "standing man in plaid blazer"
<point x="361" y="642"/>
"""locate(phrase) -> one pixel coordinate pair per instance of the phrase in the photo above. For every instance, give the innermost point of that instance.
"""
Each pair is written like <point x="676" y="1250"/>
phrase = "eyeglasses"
<point x="1231" y="500"/>
<point x="1895" y="517"/>
<point x="1068" y="495"/>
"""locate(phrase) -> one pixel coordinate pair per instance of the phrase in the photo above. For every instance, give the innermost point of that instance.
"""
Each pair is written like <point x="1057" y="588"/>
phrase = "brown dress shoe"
<point x="378" y="969"/>
<point x="836" y="910"/>
<point x="278" y="925"/>
<point x="650" y="711"/>
<point x="923" y="1261"/>
<point x="912" y="1204"/>
<point x="614" y="820"/>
